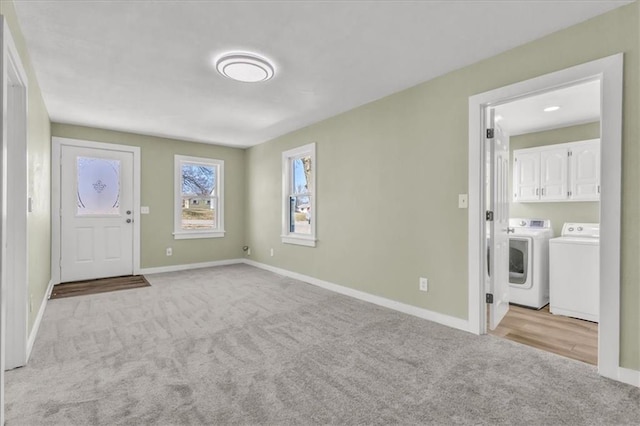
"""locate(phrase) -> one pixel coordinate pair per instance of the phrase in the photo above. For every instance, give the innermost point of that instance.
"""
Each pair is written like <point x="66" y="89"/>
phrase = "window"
<point x="199" y="203"/>
<point x="299" y="203"/>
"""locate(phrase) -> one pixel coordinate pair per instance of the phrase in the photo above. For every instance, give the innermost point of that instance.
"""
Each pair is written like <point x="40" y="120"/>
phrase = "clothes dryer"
<point x="529" y="262"/>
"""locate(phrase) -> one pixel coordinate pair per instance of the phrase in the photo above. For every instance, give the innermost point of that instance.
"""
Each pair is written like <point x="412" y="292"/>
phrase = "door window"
<point x="98" y="186"/>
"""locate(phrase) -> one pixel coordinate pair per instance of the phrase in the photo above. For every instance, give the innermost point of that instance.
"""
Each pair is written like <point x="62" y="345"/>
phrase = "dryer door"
<point x="519" y="262"/>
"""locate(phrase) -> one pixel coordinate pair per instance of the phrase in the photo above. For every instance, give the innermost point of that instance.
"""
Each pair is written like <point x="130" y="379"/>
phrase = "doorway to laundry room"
<point x="552" y="190"/>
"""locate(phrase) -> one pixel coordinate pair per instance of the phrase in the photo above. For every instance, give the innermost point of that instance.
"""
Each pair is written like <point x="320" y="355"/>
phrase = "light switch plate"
<point x="463" y="201"/>
<point x="144" y="210"/>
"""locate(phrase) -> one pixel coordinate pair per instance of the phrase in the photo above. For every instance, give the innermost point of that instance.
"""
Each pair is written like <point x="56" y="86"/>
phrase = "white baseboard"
<point x="174" y="268"/>
<point x="629" y="376"/>
<point x="443" y="319"/>
<point x="36" y="323"/>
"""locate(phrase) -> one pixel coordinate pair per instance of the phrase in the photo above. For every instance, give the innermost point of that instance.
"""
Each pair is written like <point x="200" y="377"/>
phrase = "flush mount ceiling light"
<point x="245" y="67"/>
<point x="551" y="108"/>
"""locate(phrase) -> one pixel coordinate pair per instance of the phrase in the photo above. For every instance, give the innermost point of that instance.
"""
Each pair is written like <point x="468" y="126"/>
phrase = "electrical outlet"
<point x="169" y="251"/>
<point x="249" y="252"/>
<point x="424" y="284"/>
<point x="144" y="209"/>
<point x="271" y="252"/>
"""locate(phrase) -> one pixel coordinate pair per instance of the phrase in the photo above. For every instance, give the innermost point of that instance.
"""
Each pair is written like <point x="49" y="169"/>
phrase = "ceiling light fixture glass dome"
<point x="245" y="67"/>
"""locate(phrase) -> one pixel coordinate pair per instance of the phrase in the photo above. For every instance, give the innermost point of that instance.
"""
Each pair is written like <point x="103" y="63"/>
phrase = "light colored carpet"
<point x="238" y="345"/>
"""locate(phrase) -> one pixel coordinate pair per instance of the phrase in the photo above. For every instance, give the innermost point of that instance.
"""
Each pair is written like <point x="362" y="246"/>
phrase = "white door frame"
<point x="17" y="282"/>
<point x="609" y="72"/>
<point x="13" y="222"/>
<point x="58" y="143"/>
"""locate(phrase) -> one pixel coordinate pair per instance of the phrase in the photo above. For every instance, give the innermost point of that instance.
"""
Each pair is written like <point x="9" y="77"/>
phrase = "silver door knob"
<point x="128" y="211"/>
<point x="128" y="220"/>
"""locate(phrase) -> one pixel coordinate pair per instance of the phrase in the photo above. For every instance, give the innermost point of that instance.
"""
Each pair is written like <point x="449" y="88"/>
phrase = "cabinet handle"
<point x="598" y="189"/>
<point x="537" y="191"/>
<point x="543" y="192"/>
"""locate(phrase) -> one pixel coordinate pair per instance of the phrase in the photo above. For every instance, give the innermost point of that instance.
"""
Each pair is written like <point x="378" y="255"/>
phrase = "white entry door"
<point x="96" y="211"/>
<point x="499" y="227"/>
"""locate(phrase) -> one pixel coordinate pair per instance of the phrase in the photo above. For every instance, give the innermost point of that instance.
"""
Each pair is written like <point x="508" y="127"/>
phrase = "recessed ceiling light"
<point x="551" y="108"/>
<point x="245" y="67"/>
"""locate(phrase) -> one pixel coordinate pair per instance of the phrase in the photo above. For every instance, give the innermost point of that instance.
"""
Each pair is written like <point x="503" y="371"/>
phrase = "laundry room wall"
<point x="557" y="212"/>
<point x="389" y="174"/>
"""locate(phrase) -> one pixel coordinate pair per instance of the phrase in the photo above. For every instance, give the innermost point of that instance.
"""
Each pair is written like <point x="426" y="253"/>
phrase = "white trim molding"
<point x="609" y="72"/>
<point x="629" y="376"/>
<point x="56" y="151"/>
<point x="188" y="266"/>
<point x="38" y="320"/>
<point x="415" y="311"/>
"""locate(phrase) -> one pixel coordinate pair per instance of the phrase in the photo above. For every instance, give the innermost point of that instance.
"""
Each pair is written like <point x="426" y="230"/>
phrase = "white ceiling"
<point x="145" y="66"/>
<point x="578" y="104"/>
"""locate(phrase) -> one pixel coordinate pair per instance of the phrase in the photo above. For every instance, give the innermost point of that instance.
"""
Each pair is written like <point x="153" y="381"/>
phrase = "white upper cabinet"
<point x="526" y="182"/>
<point x="584" y="164"/>
<point x="553" y="174"/>
<point x="562" y="172"/>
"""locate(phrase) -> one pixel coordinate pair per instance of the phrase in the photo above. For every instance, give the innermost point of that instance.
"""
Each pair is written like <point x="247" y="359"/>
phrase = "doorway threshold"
<point x="570" y="337"/>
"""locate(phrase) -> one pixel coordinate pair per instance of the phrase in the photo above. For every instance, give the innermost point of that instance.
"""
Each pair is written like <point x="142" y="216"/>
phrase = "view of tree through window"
<point x="300" y="199"/>
<point x="199" y="200"/>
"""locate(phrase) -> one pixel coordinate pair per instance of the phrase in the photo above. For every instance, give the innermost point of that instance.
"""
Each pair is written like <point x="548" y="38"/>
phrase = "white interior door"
<point x="499" y="240"/>
<point x="96" y="211"/>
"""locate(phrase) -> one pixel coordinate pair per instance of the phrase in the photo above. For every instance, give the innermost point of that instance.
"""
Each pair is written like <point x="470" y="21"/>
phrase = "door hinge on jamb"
<point x="490" y="133"/>
<point x="489" y="298"/>
<point x="489" y="216"/>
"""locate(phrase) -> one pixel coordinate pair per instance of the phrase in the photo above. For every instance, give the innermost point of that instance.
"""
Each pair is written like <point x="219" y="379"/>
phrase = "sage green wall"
<point x="558" y="213"/>
<point x="39" y="175"/>
<point x="157" y="183"/>
<point x="389" y="175"/>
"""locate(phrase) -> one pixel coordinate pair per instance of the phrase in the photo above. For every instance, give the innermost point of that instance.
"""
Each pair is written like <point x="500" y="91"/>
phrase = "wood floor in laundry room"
<point x="570" y="337"/>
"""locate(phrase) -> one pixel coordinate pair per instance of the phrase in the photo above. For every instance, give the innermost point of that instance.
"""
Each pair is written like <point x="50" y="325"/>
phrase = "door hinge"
<point x="490" y="133"/>
<point x="489" y="298"/>
<point x="489" y="216"/>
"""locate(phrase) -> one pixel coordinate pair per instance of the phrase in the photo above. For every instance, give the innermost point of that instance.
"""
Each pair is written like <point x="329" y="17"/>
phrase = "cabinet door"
<point x="584" y="164"/>
<point x="526" y="176"/>
<point x="554" y="174"/>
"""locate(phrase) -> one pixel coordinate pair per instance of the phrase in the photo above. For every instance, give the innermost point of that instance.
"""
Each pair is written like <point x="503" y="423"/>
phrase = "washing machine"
<point x="574" y="271"/>
<point x="529" y="262"/>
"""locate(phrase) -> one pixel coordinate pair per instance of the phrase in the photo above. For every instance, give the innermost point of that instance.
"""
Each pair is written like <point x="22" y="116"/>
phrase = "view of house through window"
<point x="199" y="197"/>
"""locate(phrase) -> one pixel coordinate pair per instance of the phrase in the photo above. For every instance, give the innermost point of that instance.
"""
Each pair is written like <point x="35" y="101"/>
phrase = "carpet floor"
<point x="239" y="345"/>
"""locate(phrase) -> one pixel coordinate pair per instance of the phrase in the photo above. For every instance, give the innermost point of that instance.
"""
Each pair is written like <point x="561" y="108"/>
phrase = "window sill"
<point x="194" y="235"/>
<point x="300" y="240"/>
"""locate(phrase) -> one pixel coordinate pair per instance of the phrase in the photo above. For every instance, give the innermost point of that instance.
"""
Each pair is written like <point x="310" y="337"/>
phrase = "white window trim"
<point x="288" y="237"/>
<point x="178" y="232"/>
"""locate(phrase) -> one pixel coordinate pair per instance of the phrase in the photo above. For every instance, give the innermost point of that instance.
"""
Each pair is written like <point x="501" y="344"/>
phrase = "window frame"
<point x="218" y="231"/>
<point x="288" y="157"/>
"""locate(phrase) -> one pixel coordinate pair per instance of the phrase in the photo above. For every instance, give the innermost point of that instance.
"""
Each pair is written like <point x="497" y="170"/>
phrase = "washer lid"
<point x="575" y="240"/>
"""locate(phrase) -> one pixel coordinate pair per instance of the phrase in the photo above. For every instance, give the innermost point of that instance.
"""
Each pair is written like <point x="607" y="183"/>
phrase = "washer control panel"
<point x="530" y="223"/>
<point x="586" y="230"/>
